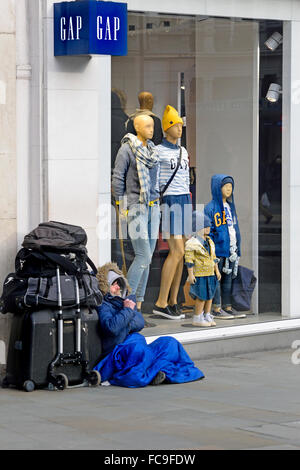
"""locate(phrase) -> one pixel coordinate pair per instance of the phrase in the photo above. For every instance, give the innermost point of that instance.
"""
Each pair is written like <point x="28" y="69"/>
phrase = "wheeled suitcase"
<point x="33" y="346"/>
<point x="54" y="347"/>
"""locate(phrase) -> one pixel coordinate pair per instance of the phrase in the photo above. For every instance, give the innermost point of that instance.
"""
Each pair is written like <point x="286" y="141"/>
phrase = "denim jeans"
<point x="143" y="227"/>
<point x="222" y="295"/>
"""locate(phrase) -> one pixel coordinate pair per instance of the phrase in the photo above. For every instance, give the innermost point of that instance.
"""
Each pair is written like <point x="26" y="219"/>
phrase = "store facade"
<point x="206" y="58"/>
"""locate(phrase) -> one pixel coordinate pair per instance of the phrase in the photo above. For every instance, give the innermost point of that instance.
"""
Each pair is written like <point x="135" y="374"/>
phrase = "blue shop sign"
<point x="90" y="27"/>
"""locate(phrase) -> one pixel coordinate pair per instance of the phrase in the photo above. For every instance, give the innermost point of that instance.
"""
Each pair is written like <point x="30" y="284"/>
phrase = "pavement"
<point x="249" y="401"/>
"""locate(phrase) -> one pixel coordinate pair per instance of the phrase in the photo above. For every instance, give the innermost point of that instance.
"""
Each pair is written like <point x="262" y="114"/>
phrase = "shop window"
<point x="216" y="72"/>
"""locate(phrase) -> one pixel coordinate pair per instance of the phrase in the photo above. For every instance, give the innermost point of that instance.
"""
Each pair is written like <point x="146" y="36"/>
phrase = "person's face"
<point x="227" y="190"/>
<point x="175" y="131"/>
<point x="115" y="288"/>
<point x="206" y="230"/>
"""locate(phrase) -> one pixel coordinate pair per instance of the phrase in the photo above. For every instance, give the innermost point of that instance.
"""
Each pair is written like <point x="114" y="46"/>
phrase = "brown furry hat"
<point x="102" y="276"/>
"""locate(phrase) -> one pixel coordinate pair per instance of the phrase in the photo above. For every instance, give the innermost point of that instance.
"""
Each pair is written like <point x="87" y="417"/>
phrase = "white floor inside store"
<point x="163" y="326"/>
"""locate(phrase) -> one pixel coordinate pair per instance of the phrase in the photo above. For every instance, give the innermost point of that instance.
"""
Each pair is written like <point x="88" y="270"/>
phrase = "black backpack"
<point x="58" y="236"/>
<point x="33" y="285"/>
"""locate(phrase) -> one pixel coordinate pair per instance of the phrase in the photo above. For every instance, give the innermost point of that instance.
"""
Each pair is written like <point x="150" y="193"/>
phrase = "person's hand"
<point x="218" y="274"/>
<point x="129" y="304"/>
<point x="191" y="279"/>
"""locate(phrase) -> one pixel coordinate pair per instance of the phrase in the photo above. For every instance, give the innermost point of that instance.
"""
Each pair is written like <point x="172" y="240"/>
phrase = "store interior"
<point x="216" y="72"/>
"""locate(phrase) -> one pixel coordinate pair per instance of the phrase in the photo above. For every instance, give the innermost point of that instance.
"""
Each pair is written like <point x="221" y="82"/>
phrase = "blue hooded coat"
<point x="215" y="211"/>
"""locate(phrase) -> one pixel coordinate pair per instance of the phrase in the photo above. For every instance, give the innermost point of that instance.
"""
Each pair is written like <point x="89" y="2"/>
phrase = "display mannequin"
<point x="226" y="235"/>
<point x="146" y="102"/>
<point x="203" y="272"/>
<point x="176" y="210"/>
<point x="136" y="176"/>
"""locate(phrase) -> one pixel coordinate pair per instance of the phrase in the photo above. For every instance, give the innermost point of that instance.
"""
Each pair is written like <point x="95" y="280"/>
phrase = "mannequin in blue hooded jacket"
<point x="225" y="233"/>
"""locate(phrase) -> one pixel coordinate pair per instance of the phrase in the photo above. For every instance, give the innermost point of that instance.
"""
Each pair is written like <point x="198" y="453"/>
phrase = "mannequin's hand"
<point x="123" y="213"/>
<point x="191" y="279"/>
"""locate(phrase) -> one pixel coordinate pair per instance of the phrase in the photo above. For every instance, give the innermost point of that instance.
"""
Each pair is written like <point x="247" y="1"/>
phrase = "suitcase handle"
<point x="78" y="318"/>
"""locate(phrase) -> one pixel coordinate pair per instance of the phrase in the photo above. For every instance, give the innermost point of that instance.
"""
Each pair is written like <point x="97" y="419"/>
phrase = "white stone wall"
<point x="8" y="166"/>
<point x="77" y="97"/>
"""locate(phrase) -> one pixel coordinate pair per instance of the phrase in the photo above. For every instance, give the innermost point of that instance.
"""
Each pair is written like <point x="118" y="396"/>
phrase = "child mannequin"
<point x="226" y="236"/>
<point x="203" y="271"/>
<point x="176" y="211"/>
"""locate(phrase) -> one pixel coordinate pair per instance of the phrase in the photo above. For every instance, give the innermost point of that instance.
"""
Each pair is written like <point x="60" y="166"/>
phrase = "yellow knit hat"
<point x="170" y="118"/>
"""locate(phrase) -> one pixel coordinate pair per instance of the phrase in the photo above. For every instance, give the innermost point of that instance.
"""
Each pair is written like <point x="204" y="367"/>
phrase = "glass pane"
<point x="215" y="72"/>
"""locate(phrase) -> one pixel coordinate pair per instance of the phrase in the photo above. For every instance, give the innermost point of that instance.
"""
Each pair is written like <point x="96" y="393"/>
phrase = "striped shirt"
<point x="168" y="158"/>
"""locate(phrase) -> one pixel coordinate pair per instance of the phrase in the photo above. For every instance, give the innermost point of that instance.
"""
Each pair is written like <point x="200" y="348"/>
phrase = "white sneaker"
<point x="199" y="320"/>
<point x="208" y="317"/>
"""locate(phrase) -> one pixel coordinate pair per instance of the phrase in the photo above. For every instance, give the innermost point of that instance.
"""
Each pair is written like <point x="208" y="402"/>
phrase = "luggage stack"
<point x="55" y="338"/>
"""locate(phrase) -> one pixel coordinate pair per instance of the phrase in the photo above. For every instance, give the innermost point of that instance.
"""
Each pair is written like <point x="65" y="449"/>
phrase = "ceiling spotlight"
<point x="273" y="92"/>
<point x="274" y="41"/>
<point x="167" y="26"/>
<point x="131" y="29"/>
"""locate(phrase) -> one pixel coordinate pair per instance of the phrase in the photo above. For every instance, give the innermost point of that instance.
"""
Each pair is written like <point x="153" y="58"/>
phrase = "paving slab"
<point x="248" y="401"/>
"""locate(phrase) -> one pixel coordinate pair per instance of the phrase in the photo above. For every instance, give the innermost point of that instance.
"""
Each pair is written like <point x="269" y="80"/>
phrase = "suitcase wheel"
<point x="94" y="378"/>
<point x="28" y="386"/>
<point x="61" y="382"/>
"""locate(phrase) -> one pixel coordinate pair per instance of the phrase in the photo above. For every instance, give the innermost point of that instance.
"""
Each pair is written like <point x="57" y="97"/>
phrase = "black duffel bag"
<point x="50" y="246"/>
<point x="242" y="289"/>
<point x="33" y="293"/>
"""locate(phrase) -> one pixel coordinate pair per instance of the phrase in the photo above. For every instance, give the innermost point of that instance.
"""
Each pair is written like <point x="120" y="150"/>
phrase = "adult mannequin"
<point x="118" y="125"/>
<point x="173" y="221"/>
<point x="146" y="102"/>
<point x="226" y="236"/>
<point x="136" y="176"/>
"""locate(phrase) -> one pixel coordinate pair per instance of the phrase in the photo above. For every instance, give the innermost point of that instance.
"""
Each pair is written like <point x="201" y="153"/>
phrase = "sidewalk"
<point x="248" y="401"/>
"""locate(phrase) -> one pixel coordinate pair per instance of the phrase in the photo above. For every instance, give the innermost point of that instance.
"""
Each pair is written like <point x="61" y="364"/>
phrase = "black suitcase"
<point x="55" y="348"/>
<point x="33" y="347"/>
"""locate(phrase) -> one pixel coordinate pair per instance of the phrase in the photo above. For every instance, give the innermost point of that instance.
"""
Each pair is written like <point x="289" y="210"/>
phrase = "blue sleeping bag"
<point x="129" y="361"/>
<point x="134" y="363"/>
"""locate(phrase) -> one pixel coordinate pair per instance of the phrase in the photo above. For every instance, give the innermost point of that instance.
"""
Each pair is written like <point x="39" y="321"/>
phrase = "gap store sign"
<point x="90" y="27"/>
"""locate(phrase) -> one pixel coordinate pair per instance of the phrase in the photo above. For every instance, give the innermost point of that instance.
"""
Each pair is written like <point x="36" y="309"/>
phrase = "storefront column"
<point x="77" y="141"/>
<point x="291" y="171"/>
<point x="103" y="230"/>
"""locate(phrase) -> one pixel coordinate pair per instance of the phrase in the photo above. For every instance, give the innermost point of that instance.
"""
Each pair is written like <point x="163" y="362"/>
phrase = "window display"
<point x="206" y="79"/>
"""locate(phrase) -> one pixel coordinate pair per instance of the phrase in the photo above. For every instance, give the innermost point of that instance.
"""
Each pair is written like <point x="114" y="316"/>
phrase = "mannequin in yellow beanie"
<point x="176" y="211"/>
<point x="170" y="118"/>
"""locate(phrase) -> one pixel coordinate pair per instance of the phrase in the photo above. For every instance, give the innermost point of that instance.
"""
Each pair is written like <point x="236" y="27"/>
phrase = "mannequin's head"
<point x="144" y="126"/>
<point x="175" y="132"/>
<point x="146" y="100"/>
<point x="226" y="190"/>
<point x="200" y="223"/>
<point x="172" y="123"/>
